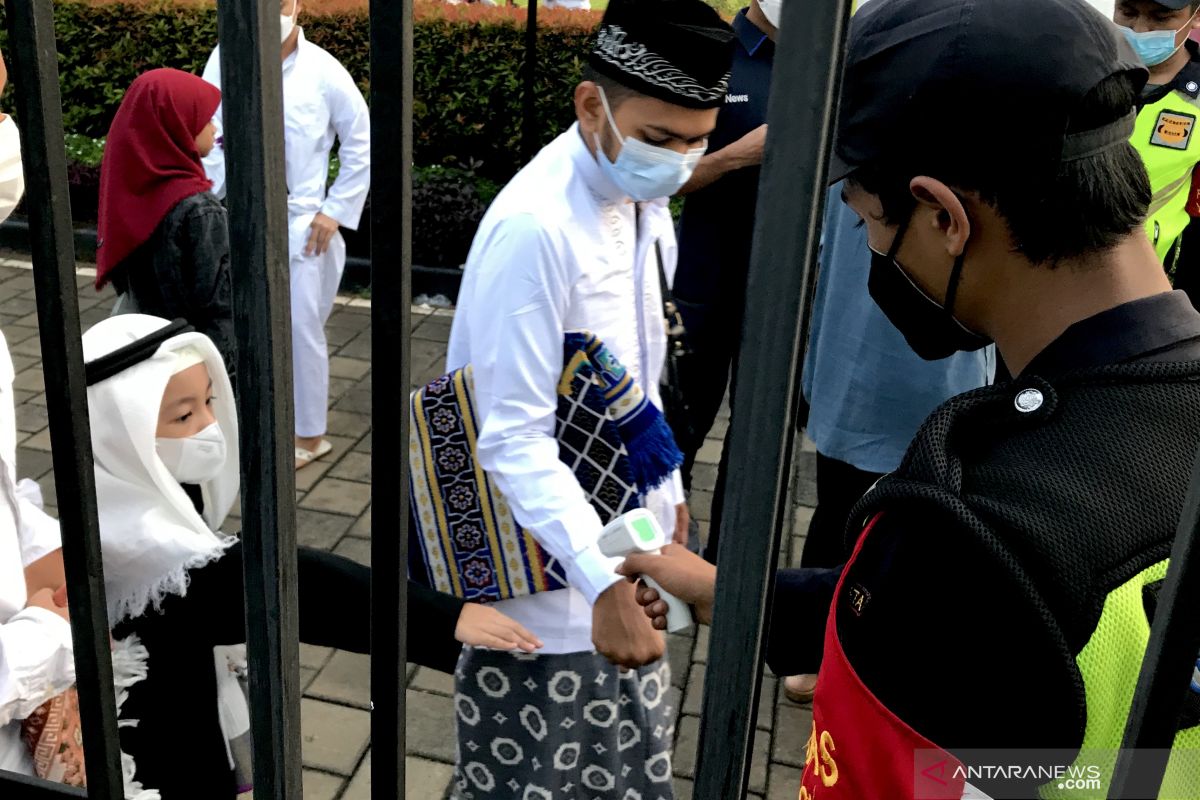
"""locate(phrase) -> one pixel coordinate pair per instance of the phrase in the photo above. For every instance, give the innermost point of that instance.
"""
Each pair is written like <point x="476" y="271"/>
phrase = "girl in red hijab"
<point x="163" y="237"/>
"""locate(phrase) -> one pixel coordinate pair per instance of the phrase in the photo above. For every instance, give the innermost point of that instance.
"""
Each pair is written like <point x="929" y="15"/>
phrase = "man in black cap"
<point x="576" y="241"/>
<point x="1004" y="578"/>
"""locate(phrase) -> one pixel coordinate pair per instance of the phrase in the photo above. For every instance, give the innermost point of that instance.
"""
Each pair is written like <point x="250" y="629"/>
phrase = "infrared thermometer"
<point x="638" y="532"/>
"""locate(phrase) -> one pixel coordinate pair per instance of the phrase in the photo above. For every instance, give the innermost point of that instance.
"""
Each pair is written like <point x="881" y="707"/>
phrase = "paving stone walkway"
<point x="334" y="514"/>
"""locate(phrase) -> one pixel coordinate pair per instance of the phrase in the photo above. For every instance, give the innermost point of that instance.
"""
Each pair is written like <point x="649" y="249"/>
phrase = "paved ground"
<point x="334" y="514"/>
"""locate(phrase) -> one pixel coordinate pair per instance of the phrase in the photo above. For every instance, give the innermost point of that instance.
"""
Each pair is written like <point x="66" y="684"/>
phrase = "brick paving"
<point x="334" y="513"/>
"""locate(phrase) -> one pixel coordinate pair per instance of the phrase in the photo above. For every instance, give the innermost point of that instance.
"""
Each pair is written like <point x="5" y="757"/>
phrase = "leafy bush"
<point x="84" y="150"/>
<point x="448" y="203"/>
<point x="467" y="91"/>
<point x="467" y="69"/>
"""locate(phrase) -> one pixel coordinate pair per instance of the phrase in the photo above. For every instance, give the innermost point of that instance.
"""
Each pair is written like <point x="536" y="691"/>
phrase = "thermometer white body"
<point x="639" y="532"/>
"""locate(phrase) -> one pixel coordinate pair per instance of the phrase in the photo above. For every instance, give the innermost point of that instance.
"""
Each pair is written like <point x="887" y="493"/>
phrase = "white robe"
<point x="557" y="251"/>
<point x="36" y="655"/>
<point x="320" y="103"/>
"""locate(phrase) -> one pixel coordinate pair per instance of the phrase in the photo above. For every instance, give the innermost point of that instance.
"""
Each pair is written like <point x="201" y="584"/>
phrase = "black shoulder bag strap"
<point x="675" y="406"/>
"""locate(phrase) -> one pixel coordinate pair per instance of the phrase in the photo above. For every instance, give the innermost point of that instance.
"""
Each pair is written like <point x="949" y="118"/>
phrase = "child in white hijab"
<point x="165" y="440"/>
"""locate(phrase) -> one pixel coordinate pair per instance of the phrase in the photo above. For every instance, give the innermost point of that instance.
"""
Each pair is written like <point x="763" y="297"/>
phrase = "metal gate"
<point x="787" y="233"/>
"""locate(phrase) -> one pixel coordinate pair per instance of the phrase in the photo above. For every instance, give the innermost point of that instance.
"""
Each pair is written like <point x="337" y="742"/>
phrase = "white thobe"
<point x="559" y="250"/>
<point x="36" y="661"/>
<point x="320" y="103"/>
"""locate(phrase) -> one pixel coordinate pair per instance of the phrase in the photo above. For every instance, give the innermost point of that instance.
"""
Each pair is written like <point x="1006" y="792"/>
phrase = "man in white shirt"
<point x="574" y="243"/>
<point x="320" y="103"/>
<point x="36" y="653"/>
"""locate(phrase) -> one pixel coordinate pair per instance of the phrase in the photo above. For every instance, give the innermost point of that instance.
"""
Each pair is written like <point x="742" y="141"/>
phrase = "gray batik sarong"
<point x="559" y="727"/>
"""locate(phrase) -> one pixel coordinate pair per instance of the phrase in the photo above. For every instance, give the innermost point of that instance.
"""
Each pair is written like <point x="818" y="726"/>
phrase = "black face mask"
<point x="929" y="328"/>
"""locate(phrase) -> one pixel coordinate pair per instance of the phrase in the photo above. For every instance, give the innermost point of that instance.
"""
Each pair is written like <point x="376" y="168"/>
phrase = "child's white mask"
<point x="194" y="459"/>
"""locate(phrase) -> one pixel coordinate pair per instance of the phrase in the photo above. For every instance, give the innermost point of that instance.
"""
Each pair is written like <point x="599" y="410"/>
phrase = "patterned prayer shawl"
<point x="464" y="539"/>
<point x="52" y="732"/>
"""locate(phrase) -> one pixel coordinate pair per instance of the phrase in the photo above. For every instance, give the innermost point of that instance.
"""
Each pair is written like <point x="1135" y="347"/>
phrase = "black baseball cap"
<point x="990" y="80"/>
<point x="1174" y="5"/>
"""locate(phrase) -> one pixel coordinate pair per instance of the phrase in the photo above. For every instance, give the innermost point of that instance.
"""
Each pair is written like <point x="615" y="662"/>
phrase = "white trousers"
<point x="315" y="281"/>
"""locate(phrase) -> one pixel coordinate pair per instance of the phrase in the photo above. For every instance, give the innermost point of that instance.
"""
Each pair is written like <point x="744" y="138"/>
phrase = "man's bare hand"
<point x="48" y="599"/>
<point x="320" y="234"/>
<point x="682" y="521"/>
<point x="620" y="631"/>
<point x="680" y="572"/>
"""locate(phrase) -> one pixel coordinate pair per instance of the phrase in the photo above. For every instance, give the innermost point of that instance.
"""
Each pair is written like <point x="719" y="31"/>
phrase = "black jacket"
<point x="948" y="642"/>
<point x="182" y="271"/>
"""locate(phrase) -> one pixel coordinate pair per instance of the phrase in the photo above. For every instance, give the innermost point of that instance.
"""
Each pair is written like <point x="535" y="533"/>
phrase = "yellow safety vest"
<point x="1110" y="663"/>
<point x="1164" y="136"/>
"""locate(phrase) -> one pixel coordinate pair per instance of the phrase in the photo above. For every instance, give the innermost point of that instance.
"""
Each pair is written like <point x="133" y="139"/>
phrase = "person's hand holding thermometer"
<point x="638" y="532"/>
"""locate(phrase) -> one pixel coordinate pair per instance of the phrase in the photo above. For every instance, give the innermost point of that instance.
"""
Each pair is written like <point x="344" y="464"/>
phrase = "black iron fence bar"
<point x="1170" y="656"/>
<point x="35" y="74"/>
<point x="252" y="84"/>
<point x="529" y="131"/>
<point x="790" y="204"/>
<point x="20" y="787"/>
<point x="391" y="295"/>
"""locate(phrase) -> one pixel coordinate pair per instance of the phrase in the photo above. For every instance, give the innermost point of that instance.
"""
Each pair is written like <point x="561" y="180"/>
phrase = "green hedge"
<point x="467" y="67"/>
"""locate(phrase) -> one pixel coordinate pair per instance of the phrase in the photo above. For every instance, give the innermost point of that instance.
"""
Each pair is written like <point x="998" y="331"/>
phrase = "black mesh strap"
<point x="136" y="352"/>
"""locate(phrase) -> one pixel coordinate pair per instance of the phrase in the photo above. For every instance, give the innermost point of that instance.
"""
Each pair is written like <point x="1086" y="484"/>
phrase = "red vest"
<point x="858" y="749"/>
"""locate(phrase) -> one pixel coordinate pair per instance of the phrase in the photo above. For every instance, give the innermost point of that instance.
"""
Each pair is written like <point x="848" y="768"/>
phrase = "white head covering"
<point x="12" y="177"/>
<point x="150" y="532"/>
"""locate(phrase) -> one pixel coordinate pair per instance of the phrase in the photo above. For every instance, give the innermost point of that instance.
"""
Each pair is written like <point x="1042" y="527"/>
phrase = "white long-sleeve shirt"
<point x="36" y="655"/>
<point x="558" y="251"/>
<point x="320" y="103"/>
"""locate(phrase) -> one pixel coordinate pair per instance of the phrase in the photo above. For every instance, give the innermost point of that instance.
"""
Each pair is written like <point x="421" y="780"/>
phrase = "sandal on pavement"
<point x="306" y="457"/>
<point x="800" y="688"/>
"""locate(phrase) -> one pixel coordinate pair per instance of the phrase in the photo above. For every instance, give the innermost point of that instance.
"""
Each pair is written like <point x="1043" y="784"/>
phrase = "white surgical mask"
<point x="771" y="9"/>
<point x="287" y="23"/>
<point x="194" y="459"/>
<point x="12" y="177"/>
<point x="643" y="171"/>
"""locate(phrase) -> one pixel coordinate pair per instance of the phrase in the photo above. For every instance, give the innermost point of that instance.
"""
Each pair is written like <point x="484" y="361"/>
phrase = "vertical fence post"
<point x="782" y="267"/>
<point x="252" y="83"/>
<point x="35" y="75"/>
<point x="1170" y="655"/>
<point x="529" y="132"/>
<point x="391" y="296"/>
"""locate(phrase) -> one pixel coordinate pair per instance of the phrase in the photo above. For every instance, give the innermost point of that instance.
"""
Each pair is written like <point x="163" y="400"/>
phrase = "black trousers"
<point x="178" y="744"/>
<point x="714" y="336"/>
<point x="839" y="487"/>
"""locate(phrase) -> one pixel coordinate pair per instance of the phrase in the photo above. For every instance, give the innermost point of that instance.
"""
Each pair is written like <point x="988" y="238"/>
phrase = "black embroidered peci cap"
<point x="679" y="51"/>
